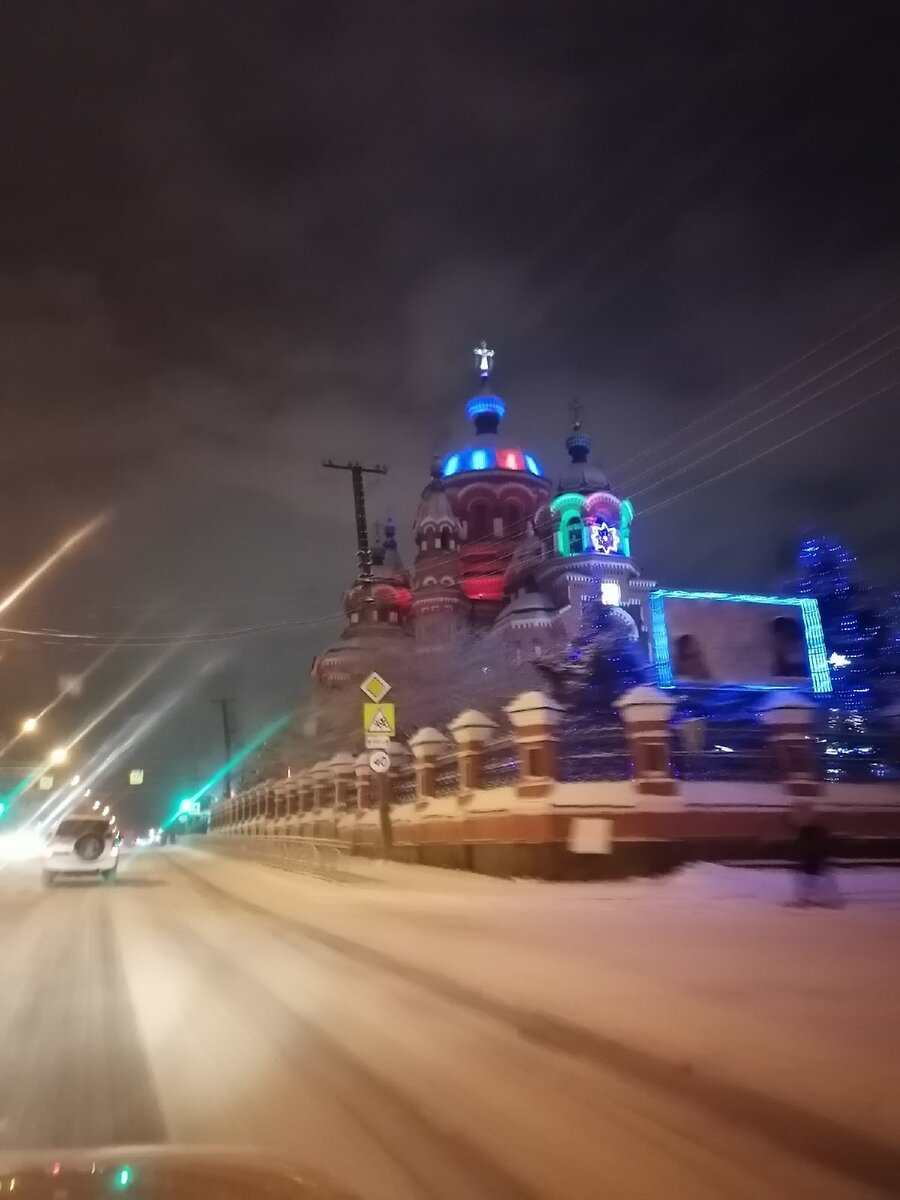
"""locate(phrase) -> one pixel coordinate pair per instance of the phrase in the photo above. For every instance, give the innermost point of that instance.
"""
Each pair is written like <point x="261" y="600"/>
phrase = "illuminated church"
<point x="502" y="551"/>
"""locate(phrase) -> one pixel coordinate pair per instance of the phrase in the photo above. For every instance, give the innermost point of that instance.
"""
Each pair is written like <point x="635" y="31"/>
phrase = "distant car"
<point x="84" y="845"/>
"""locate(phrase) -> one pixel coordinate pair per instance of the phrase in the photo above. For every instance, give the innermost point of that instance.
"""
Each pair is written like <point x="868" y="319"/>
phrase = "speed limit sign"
<point x="379" y="761"/>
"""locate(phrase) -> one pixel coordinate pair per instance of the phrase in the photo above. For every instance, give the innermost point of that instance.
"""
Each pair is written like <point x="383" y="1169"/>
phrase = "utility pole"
<point x="226" y="734"/>
<point x="364" y="552"/>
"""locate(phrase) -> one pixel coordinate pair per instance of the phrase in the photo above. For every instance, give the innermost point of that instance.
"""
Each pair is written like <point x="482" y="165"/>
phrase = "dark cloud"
<point x="236" y="237"/>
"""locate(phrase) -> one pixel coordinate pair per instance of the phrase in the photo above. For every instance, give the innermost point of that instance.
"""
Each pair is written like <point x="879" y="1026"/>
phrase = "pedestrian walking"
<point x="814" y="878"/>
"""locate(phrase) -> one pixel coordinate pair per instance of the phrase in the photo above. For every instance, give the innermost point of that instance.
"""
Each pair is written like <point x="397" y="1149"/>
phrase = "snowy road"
<point x="421" y="1034"/>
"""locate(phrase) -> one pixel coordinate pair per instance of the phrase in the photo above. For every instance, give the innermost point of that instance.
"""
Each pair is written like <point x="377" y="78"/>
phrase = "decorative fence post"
<point x="304" y="792"/>
<point x="427" y="746"/>
<point x="789" y="719"/>
<point x="470" y="731"/>
<point x="282" y="792"/>
<point x="534" y="718"/>
<point x="271" y="808"/>
<point x="645" y="712"/>
<point x="321" y="781"/>
<point x="363" y="780"/>
<point x="292" y="804"/>
<point x="342" y="767"/>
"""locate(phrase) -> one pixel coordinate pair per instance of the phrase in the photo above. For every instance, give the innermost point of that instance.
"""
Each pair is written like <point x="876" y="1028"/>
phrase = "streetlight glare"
<point x="29" y="725"/>
<point x="59" y="754"/>
<point x="95" y="805"/>
<point x="105" y="812"/>
<point x="75" y="780"/>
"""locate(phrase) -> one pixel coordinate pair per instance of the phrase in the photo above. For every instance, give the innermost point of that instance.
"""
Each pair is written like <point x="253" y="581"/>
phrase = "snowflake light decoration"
<point x="604" y="538"/>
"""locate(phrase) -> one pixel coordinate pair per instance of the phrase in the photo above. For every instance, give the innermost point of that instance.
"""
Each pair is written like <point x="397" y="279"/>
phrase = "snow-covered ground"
<point x="414" y="1033"/>
<point x="708" y="970"/>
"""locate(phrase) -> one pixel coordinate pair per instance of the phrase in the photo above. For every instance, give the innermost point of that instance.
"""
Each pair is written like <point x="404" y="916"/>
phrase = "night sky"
<point x="236" y="238"/>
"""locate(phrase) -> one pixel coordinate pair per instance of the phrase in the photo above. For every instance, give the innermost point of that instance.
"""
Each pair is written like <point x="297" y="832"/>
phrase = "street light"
<point x="29" y="725"/>
<point x="95" y="805"/>
<point x="105" y="812"/>
<point x="59" y="754"/>
<point x="74" y="781"/>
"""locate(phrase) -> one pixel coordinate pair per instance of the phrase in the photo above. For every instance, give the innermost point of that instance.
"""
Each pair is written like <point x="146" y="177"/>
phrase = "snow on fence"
<point x="507" y="802"/>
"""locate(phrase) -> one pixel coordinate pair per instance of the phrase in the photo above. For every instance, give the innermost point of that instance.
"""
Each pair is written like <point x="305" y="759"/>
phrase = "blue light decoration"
<point x="479" y="405"/>
<point x="487" y="458"/>
<point x="812" y="626"/>
<point x="625" y="528"/>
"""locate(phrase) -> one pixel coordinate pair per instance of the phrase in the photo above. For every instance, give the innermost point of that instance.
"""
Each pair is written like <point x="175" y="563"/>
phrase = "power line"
<point x="57" y="637"/>
<point x="61" y="637"/>
<point x="762" y="424"/>
<point x="768" y="404"/>
<point x="771" y="449"/>
<point x="757" y="386"/>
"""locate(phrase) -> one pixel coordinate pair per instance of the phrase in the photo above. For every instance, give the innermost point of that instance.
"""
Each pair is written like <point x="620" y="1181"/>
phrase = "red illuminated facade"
<point x="499" y="551"/>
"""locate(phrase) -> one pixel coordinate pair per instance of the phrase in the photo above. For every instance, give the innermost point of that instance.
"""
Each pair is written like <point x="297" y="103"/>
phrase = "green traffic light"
<point x="123" y="1177"/>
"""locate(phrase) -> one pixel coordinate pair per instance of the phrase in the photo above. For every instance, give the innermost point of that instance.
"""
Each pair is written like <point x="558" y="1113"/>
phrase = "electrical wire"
<point x="59" y="636"/>
<point x="56" y="637"/>
<point x="762" y="424"/>
<point x="674" y="437"/>
<point x="640" y="477"/>
<point x="771" y="449"/>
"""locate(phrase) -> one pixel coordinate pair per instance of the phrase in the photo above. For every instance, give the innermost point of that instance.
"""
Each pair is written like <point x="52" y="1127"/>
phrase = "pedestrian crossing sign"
<point x="379" y="719"/>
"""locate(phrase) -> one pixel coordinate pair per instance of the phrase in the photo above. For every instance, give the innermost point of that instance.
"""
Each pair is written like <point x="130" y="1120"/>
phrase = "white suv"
<point x="82" y="845"/>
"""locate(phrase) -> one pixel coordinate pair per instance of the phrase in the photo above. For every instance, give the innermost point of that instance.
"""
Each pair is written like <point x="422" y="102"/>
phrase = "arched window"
<point x="479" y="521"/>
<point x="445" y="539"/>
<point x="573" y="539"/>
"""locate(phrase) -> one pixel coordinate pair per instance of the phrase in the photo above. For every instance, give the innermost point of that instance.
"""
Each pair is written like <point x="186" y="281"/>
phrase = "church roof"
<point x="488" y="452"/>
<point x="581" y="476"/>
<point x="527" y="609"/>
<point x="434" y="507"/>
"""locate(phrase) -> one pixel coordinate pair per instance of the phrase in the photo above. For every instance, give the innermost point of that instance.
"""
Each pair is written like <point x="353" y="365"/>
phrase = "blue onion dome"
<point x="581" y="476"/>
<point x="489" y="451"/>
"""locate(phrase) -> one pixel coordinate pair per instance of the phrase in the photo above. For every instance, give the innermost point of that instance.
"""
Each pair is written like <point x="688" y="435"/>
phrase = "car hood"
<point x="175" y="1173"/>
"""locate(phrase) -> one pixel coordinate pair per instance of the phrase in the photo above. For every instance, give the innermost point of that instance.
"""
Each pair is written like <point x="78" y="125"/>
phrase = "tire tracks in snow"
<point x="449" y="1164"/>
<point x="797" y="1130"/>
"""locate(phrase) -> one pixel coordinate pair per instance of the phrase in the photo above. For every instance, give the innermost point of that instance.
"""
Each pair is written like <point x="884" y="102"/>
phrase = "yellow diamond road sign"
<point x="375" y="686"/>
<point x="379" y="718"/>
